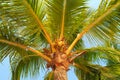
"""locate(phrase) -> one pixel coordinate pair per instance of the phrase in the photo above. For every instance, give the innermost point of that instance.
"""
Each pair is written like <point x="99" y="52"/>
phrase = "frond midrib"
<point x="25" y="47"/>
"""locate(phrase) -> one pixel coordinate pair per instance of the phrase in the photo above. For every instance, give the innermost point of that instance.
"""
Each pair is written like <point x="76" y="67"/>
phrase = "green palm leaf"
<point x="93" y="64"/>
<point x="104" y="31"/>
<point x="26" y="32"/>
<point x="103" y="53"/>
<point x="28" y="26"/>
<point x="90" y="71"/>
<point x="20" y="27"/>
<point x="72" y="19"/>
<point x="25" y="66"/>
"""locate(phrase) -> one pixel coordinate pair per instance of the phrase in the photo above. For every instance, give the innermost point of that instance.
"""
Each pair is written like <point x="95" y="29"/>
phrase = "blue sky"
<point x="5" y="70"/>
<point x="4" y="66"/>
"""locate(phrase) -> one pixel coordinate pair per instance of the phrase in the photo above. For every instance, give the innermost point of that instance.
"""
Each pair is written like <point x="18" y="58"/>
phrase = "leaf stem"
<point x="63" y="20"/>
<point x="93" y="24"/>
<point x="51" y="74"/>
<point x="47" y="36"/>
<point x="25" y="47"/>
<point x="79" y="54"/>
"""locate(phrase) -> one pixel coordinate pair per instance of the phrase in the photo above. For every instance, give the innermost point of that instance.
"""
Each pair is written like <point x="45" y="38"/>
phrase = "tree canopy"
<point x="31" y="28"/>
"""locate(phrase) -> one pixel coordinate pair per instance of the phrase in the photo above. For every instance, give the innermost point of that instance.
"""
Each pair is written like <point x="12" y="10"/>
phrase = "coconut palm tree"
<point x="59" y="34"/>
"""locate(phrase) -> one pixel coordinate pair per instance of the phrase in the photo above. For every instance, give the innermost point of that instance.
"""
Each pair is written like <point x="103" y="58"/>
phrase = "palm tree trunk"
<point x="60" y="73"/>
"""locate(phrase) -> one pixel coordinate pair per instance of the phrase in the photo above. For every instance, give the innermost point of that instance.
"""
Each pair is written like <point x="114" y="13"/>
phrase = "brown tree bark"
<point x="60" y="73"/>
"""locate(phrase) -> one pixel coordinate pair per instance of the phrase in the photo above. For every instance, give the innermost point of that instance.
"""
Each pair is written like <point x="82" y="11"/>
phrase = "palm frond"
<point x="26" y="48"/>
<point x="5" y="50"/>
<point x="103" y="22"/>
<point x="47" y="36"/>
<point x="38" y="7"/>
<point x="8" y="50"/>
<point x="103" y="53"/>
<point x="20" y="64"/>
<point x="72" y="19"/>
<point x="18" y="25"/>
<point x="23" y="62"/>
<point x="97" y="72"/>
<point x="86" y="72"/>
<point x="98" y="62"/>
<point x="104" y="32"/>
<point x="22" y="67"/>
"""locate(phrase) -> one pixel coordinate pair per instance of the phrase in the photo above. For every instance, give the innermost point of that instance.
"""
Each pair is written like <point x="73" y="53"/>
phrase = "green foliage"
<point x="49" y="76"/>
<point x="19" y="25"/>
<point x="99" y="63"/>
<point x="27" y="65"/>
<point x="74" y="17"/>
<point x="103" y="32"/>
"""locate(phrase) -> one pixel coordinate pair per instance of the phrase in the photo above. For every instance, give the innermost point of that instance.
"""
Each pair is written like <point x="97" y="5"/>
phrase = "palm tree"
<point x="59" y="34"/>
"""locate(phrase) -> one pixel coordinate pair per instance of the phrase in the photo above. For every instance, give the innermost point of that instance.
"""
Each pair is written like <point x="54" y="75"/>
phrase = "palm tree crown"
<point x="57" y="34"/>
